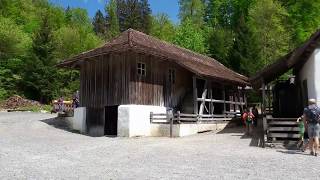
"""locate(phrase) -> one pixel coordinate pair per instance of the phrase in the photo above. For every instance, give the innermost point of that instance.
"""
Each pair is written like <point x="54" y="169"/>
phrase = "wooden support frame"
<point x="195" y="95"/>
<point x="224" y="100"/>
<point x="263" y="98"/>
<point x="204" y="95"/>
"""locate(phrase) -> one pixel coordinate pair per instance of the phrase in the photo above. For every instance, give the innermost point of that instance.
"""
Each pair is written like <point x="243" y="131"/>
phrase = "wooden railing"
<point x="178" y="118"/>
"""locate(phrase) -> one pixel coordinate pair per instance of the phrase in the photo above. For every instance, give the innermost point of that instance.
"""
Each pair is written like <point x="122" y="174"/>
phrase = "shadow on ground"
<point x="237" y="129"/>
<point x="59" y="123"/>
<point x="295" y="152"/>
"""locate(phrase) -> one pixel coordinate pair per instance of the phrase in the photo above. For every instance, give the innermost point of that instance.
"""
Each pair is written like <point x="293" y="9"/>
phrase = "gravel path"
<point x="32" y="149"/>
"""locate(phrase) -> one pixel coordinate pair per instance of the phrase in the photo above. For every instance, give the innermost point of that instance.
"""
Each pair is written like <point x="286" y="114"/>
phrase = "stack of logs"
<point x="16" y="102"/>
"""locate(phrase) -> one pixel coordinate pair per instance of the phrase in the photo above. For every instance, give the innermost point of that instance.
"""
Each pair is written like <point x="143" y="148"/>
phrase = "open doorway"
<point x="111" y="120"/>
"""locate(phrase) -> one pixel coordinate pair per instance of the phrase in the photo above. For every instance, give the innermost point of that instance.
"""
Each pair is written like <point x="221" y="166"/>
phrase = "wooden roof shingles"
<point x="140" y="42"/>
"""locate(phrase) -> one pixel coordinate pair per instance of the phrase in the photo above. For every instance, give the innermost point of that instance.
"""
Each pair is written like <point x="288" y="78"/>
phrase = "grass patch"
<point x="35" y="108"/>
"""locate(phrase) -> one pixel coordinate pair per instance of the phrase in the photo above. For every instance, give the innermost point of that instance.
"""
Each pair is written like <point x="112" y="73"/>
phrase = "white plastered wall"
<point x="79" y="119"/>
<point x="311" y="72"/>
<point x="134" y="120"/>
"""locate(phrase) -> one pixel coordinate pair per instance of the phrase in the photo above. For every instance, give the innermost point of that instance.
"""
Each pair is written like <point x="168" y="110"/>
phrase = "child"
<point x="301" y="132"/>
<point x="248" y="120"/>
<point x="304" y="138"/>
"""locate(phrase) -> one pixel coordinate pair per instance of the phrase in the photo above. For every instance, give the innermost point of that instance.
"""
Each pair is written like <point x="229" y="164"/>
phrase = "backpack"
<point x="313" y="114"/>
<point x="249" y="118"/>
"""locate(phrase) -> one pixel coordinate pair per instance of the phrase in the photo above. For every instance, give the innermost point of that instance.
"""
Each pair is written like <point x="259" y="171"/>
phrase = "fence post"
<point x="171" y="127"/>
<point x="151" y="116"/>
<point x="170" y="119"/>
<point x="178" y="117"/>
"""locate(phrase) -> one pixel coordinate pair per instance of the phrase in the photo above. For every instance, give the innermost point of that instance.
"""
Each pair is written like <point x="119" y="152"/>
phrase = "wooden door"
<point x="111" y="120"/>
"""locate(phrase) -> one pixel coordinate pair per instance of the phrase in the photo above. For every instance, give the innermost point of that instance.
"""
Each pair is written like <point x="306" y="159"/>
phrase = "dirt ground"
<point x="32" y="148"/>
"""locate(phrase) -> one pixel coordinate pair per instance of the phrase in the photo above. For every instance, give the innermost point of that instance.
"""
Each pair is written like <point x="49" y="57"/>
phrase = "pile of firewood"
<point x="16" y="102"/>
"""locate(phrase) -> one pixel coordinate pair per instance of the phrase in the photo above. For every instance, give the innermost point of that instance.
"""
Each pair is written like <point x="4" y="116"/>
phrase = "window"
<point x="141" y="69"/>
<point x="172" y="76"/>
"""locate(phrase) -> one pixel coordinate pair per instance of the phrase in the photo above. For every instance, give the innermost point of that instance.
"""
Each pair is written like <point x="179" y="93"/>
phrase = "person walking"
<point x="248" y="119"/>
<point x="312" y="116"/>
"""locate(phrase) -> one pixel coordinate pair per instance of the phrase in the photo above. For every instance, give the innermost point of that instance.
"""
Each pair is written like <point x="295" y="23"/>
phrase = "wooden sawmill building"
<point x="135" y="69"/>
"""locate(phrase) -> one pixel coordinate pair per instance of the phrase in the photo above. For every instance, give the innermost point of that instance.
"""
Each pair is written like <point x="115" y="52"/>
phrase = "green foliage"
<point x="245" y="35"/>
<point x="113" y="21"/>
<point x="193" y="10"/>
<point x="267" y="21"/>
<point x="190" y="37"/>
<point x="99" y="24"/>
<point x="220" y="44"/>
<point x="36" y="108"/>
<point x="134" y="14"/>
<point x="34" y="36"/>
<point x="13" y="41"/>
<point x="163" y="28"/>
<point x="304" y="18"/>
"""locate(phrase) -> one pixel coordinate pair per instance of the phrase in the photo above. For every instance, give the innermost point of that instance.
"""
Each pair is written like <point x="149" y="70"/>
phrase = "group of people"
<point x="309" y="125"/>
<point x="309" y="128"/>
<point x="250" y="118"/>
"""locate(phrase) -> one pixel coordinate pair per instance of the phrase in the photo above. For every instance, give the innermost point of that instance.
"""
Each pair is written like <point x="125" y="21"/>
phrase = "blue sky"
<point x="170" y="7"/>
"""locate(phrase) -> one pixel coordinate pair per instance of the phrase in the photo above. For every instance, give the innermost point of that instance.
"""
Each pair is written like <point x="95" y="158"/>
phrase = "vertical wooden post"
<point x="224" y="100"/>
<point x="263" y="98"/>
<point x="240" y="99"/>
<point x="245" y="98"/>
<point x="210" y="96"/>
<point x="234" y="100"/>
<point x="178" y="117"/>
<point x="203" y="97"/>
<point x="269" y="99"/>
<point x="195" y="95"/>
<point x="171" y="127"/>
<point x="151" y="116"/>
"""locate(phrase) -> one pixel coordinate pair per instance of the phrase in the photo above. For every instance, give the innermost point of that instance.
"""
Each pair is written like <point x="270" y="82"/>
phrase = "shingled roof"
<point x="139" y="42"/>
<point x="293" y="60"/>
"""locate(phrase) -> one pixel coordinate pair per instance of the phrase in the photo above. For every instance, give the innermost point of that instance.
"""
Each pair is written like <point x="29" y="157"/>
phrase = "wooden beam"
<point x="220" y="101"/>
<point x="224" y="100"/>
<point x="203" y="97"/>
<point x="263" y="98"/>
<point x="195" y="95"/>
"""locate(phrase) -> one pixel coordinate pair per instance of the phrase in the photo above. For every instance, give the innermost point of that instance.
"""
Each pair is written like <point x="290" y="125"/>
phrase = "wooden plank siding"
<point x="112" y="79"/>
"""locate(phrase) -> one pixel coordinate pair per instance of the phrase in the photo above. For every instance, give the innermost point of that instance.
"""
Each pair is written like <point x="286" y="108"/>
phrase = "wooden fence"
<point x="179" y="118"/>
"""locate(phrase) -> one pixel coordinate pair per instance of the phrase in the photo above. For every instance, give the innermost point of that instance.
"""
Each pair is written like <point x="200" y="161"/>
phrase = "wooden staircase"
<point x="284" y="131"/>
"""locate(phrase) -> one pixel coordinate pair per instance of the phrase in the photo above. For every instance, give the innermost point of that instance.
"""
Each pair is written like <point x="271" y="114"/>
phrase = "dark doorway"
<point x="111" y="120"/>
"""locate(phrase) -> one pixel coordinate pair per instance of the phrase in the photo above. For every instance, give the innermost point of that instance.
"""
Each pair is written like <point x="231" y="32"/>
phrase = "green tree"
<point x="146" y="17"/>
<point x="134" y="14"/>
<point x="220" y="43"/>
<point x="99" y="24"/>
<point x="40" y="73"/>
<point x="112" y="21"/>
<point x="14" y="45"/>
<point x="267" y="22"/>
<point x="129" y="14"/>
<point x="193" y="10"/>
<point x="190" y="37"/>
<point x="163" y="28"/>
<point x="304" y="18"/>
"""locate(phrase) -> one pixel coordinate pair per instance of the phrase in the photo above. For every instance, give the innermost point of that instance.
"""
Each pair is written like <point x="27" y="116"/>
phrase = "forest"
<point x="244" y="35"/>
